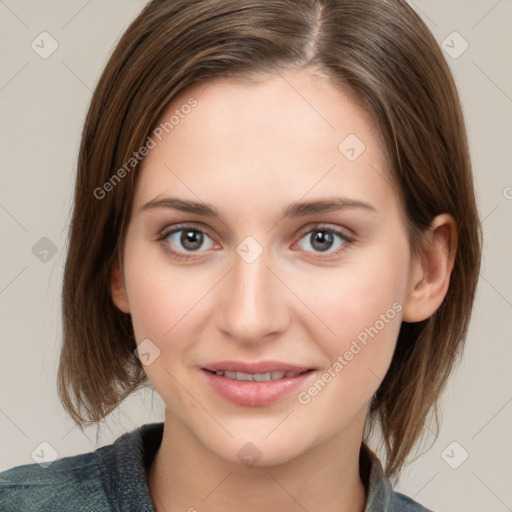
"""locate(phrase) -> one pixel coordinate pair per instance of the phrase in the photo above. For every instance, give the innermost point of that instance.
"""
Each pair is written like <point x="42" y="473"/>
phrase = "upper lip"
<point x="253" y="367"/>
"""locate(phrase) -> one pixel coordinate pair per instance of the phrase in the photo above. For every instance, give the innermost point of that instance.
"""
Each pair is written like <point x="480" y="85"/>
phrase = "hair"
<point x="380" y="51"/>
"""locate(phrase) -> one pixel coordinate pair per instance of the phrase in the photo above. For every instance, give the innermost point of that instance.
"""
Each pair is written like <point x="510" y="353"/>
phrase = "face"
<point x="253" y="281"/>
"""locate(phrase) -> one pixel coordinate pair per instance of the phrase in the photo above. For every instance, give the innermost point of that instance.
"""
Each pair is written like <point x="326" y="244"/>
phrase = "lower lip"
<point x="254" y="393"/>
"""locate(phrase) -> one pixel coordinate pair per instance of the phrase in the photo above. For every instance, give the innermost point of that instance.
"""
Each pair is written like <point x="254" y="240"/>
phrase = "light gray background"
<point x="43" y="104"/>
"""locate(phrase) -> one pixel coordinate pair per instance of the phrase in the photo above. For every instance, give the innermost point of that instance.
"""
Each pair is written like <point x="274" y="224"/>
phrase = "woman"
<point x="266" y="229"/>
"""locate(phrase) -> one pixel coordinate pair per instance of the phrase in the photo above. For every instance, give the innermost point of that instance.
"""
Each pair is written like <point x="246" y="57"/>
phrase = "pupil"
<point x="192" y="239"/>
<point x="322" y="237"/>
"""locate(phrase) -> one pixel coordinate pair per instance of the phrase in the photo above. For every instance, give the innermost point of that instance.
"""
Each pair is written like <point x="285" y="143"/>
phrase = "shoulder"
<point x="67" y="484"/>
<point x="402" y="503"/>
<point x="113" y="477"/>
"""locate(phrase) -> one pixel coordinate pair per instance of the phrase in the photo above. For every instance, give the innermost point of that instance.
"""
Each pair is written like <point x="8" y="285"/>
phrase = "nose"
<point x="252" y="304"/>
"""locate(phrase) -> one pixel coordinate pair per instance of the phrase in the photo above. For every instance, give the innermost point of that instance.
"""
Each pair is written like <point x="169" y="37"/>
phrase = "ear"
<point x="117" y="288"/>
<point x="430" y="275"/>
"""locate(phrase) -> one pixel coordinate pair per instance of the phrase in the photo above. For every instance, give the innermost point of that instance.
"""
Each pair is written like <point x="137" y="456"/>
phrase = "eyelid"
<point x="164" y="233"/>
<point x="319" y="226"/>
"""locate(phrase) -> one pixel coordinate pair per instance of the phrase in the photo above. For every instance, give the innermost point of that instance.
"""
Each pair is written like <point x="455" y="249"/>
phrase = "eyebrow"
<point x="297" y="209"/>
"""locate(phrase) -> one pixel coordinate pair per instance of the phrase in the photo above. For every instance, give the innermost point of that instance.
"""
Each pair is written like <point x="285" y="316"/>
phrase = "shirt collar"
<point x="378" y="488"/>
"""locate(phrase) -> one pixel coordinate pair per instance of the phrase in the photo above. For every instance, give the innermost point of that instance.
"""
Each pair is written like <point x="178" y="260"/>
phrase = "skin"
<point x="250" y="149"/>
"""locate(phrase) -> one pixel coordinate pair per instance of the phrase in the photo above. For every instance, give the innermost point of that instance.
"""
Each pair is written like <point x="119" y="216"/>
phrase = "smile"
<point x="258" y="377"/>
<point x="256" y="389"/>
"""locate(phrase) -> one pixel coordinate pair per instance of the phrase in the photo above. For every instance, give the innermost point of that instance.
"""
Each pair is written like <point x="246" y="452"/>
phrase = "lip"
<point x="255" y="367"/>
<point x="255" y="393"/>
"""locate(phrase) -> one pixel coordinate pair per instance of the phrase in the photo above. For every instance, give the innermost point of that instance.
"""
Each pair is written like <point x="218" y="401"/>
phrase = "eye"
<point x="185" y="239"/>
<point x="182" y="241"/>
<point x="323" y="239"/>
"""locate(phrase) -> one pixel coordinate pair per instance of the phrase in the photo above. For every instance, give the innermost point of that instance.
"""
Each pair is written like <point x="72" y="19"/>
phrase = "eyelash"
<point x="347" y="240"/>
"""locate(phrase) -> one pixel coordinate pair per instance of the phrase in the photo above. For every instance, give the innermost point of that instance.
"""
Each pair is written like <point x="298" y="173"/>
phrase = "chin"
<point x="258" y="450"/>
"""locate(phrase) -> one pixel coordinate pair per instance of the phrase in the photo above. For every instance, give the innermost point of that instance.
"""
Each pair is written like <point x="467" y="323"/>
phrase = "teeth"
<point x="258" y="377"/>
<point x="243" y="376"/>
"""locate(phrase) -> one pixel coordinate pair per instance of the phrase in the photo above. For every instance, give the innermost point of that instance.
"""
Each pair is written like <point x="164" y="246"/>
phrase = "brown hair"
<point x="378" y="49"/>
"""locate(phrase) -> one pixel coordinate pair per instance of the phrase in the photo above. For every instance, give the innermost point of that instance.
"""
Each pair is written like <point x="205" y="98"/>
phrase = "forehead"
<point x="295" y="105"/>
<point x="281" y="132"/>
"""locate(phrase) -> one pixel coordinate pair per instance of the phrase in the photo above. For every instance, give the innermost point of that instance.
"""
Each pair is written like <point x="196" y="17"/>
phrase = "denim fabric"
<point x="114" y="478"/>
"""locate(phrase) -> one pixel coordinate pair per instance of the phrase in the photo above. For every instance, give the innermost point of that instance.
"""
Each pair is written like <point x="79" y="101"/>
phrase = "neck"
<point x="325" y="478"/>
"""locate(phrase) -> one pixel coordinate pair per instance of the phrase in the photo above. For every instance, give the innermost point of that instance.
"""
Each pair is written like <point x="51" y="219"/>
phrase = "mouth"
<point x="258" y="377"/>
<point x="256" y="384"/>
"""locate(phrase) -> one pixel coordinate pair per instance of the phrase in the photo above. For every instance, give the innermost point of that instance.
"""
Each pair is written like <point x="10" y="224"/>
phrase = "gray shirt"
<point x="114" y="478"/>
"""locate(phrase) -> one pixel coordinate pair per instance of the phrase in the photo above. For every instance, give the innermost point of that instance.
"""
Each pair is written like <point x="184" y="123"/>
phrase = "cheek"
<point x="365" y="315"/>
<point x="359" y="306"/>
<point x="166" y="306"/>
<point x="159" y="292"/>
<point x="354" y="295"/>
<point x="164" y="301"/>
